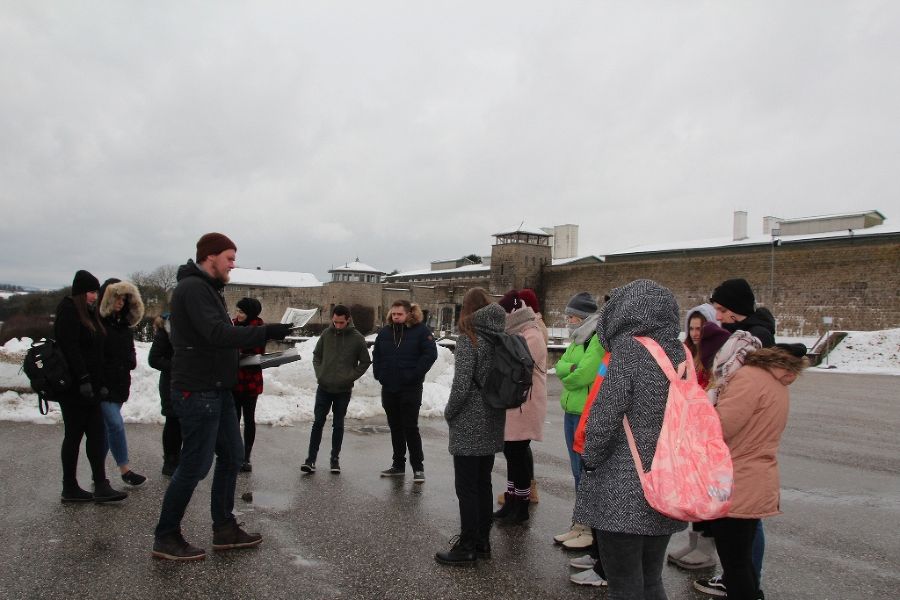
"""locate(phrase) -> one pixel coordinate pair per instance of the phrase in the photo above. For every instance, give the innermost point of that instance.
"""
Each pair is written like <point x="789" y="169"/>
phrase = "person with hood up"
<point x="160" y="358"/>
<point x="339" y="359"/>
<point x="121" y="309"/>
<point x="250" y="378"/>
<point x="694" y="321"/>
<point x="80" y="334"/>
<point x="204" y="371"/>
<point x="736" y="310"/>
<point x="753" y="408"/>
<point x="404" y="352"/>
<point x="577" y="369"/>
<point x="524" y="423"/>
<point x="632" y="536"/>
<point x="476" y="429"/>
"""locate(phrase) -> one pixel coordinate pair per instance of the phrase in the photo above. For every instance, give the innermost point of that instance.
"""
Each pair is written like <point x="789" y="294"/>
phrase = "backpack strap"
<point x="634" y="451"/>
<point x="685" y="369"/>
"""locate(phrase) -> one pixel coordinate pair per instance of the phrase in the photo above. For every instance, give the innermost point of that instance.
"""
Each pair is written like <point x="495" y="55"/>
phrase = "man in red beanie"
<point x="204" y="371"/>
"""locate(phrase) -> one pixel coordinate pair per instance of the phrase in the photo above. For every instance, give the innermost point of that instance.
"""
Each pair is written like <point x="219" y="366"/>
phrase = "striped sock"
<point x="510" y="488"/>
<point x="522" y="492"/>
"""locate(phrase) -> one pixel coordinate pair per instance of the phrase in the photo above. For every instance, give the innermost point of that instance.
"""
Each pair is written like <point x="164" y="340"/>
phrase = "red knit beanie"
<point x="213" y="243"/>
<point x="530" y="299"/>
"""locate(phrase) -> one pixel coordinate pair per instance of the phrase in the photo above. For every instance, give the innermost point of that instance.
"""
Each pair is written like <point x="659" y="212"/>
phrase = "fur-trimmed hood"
<point x="415" y="316"/>
<point x="134" y="305"/>
<point x="775" y="358"/>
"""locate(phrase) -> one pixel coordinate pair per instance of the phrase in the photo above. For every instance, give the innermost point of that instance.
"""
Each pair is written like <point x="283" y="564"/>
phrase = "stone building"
<point x="845" y="266"/>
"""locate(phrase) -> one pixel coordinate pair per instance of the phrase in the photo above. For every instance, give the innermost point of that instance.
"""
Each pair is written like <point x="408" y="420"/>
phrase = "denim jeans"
<point x="402" y="410"/>
<point x="209" y="428"/>
<point x="570" y="424"/>
<point x="633" y="564"/>
<point x="759" y="550"/>
<point x="115" y="432"/>
<point x="337" y="403"/>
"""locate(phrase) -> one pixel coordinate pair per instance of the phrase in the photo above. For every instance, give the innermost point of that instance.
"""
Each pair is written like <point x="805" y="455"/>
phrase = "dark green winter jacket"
<point x="340" y="358"/>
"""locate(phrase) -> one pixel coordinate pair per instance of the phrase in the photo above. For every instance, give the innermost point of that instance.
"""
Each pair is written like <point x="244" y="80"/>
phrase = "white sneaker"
<point x="584" y="540"/>
<point x="583" y="562"/>
<point x="573" y="532"/>
<point x="588" y="577"/>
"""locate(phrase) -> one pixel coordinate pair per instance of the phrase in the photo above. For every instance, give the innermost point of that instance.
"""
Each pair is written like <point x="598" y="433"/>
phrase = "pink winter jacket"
<point x="527" y="421"/>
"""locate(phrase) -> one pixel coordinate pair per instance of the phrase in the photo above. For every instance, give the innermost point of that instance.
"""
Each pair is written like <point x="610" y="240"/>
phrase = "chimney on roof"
<point x="770" y="225"/>
<point x="740" y="225"/>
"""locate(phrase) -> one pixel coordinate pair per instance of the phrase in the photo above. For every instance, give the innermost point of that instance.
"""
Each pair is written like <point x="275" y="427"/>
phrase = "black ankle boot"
<point x="103" y="492"/>
<point x="508" y="501"/>
<point x="483" y="546"/>
<point x="519" y="512"/>
<point x="461" y="552"/>
<point x="72" y="492"/>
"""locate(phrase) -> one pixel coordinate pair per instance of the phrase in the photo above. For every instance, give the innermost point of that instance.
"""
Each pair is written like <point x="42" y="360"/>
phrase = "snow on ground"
<point x="288" y="397"/>
<point x="290" y="389"/>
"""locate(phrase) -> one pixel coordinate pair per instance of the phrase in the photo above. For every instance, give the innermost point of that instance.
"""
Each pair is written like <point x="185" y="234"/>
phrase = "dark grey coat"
<point x="475" y="428"/>
<point x="610" y="497"/>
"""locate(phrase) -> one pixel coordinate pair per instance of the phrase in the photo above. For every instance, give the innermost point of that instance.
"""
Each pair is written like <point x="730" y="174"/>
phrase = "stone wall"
<point x="855" y="281"/>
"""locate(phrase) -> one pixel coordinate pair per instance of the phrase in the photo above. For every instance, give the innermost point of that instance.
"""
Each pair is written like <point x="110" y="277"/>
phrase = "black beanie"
<point x="213" y="243"/>
<point x="250" y="306"/>
<point x="581" y="305"/>
<point x="735" y="295"/>
<point x="84" y="282"/>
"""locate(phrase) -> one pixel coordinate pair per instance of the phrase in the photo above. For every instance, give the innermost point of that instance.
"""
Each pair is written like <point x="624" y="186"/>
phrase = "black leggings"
<point x="519" y="463"/>
<point x="734" y="543"/>
<point x="247" y="404"/>
<point x="171" y="437"/>
<point x="82" y="420"/>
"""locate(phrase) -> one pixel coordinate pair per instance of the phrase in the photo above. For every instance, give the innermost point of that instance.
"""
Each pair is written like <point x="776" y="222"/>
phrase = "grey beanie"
<point x="581" y="305"/>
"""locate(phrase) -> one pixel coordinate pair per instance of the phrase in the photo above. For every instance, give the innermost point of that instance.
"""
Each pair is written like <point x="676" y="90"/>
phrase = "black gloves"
<point x="85" y="389"/>
<point x="277" y="331"/>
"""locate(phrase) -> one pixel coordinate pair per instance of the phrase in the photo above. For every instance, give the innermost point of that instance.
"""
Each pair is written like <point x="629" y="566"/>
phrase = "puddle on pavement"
<point x="370" y="429"/>
<point x="262" y="499"/>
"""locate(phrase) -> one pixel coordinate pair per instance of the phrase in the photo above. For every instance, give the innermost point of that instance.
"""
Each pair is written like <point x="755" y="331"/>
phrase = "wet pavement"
<point x="356" y="535"/>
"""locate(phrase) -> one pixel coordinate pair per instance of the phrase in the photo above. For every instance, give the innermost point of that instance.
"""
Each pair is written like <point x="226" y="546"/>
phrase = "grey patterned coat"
<point x="475" y="428"/>
<point x="610" y="497"/>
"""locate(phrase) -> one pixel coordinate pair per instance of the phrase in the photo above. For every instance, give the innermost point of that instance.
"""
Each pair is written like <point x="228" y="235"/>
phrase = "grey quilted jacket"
<point x="475" y="428"/>
<point x="610" y="497"/>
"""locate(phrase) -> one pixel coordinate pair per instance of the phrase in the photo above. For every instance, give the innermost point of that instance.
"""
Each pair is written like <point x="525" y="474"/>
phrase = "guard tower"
<point x="518" y="257"/>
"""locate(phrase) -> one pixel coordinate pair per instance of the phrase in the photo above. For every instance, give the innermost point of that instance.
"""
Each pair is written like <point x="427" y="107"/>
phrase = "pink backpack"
<point x="691" y="476"/>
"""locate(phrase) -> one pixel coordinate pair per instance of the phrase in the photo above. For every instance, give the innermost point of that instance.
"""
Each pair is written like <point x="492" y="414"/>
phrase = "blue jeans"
<point x="759" y="549"/>
<point x="570" y="424"/>
<point x="633" y="564"/>
<point x="115" y="432"/>
<point x="336" y="403"/>
<point x="209" y="428"/>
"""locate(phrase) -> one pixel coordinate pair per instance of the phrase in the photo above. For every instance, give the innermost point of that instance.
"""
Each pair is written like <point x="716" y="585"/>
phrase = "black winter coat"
<point x="160" y="358"/>
<point x="760" y="324"/>
<point x="82" y="348"/>
<point x="205" y="341"/>
<point x="119" y="359"/>
<point x="402" y="355"/>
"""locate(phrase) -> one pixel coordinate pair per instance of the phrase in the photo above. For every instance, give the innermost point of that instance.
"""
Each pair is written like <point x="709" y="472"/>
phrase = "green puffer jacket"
<point x="577" y="382"/>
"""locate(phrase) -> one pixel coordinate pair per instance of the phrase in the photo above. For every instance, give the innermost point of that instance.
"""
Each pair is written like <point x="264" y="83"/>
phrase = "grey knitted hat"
<point x="581" y="305"/>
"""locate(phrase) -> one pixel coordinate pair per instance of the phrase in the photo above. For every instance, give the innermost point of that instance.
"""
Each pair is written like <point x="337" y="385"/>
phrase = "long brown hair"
<point x="474" y="299"/>
<point x="693" y="348"/>
<point x="87" y="316"/>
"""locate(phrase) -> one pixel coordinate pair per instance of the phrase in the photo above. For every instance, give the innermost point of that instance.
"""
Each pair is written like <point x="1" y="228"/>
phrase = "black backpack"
<point x="47" y="371"/>
<point x="508" y="382"/>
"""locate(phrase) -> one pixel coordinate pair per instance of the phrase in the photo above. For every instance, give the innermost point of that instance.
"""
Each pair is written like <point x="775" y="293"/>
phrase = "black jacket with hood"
<point x="403" y="354"/>
<point x="760" y="324"/>
<point x="206" y="344"/>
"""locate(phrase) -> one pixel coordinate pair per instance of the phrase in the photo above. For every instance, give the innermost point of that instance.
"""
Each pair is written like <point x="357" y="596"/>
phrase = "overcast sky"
<point x="404" y="132"/>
